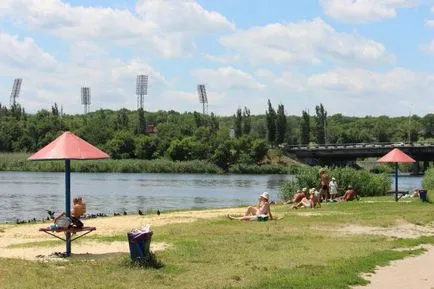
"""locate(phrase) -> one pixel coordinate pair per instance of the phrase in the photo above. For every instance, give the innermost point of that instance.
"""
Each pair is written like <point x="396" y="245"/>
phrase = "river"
<point x="26" y="195"/>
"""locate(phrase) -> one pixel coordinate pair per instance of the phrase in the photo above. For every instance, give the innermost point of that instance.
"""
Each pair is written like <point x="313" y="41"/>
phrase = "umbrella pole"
<point x="68" y="202"/>
<point x="396" y="182"/>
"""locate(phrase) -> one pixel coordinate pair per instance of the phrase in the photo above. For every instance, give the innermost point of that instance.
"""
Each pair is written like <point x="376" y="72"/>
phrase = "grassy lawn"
<point x="299" y="251"/>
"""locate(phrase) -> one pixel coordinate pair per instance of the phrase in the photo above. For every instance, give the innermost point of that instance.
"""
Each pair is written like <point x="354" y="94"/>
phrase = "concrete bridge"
<point x="345" y="154"/>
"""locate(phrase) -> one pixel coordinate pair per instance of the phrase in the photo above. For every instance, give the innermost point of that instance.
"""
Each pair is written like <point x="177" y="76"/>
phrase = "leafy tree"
<point x="122" y="146"/>
<point x="198" y="119"/>
<point x="382" y="129"/>
<point x="320" y="119"/>
<point x="305" y="128"/>
<point x="238" y="120"/>
<point x="55" y="110"/>
<point x="247" y="122"/>
<point x="141" y="123"/>
<point x="281" y="124"/>
<point x="259" y="150"/>
<point x="214" y="123"/>
<point x="223" y="155"/>
<point x="428" y="125"/>
<point x="146" y="146"/>
<point x="122" y="119"/>
<point x="271" y="123"/>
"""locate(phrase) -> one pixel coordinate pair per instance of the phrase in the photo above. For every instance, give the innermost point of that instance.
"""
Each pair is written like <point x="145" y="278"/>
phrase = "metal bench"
<point x="71" y="230"/>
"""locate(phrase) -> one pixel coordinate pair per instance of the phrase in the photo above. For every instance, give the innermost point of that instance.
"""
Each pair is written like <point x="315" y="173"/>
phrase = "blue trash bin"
<point x="139" y="243"/>
<point x="423" y="195"/>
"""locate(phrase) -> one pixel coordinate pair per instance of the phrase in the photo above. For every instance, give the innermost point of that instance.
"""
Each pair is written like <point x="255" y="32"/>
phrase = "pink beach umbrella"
<point x="68" y="147"/>
<point x="396" y="156"/>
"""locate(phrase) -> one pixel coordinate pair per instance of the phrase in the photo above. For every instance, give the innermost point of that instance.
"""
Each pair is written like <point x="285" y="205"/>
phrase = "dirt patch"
<point x="402" y="230"/>
<point x="310" y="213"/>
<point x="409" y="273"/>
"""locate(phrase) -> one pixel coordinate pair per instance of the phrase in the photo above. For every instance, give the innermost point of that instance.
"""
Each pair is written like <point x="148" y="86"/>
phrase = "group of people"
<point x="328" y="192"/>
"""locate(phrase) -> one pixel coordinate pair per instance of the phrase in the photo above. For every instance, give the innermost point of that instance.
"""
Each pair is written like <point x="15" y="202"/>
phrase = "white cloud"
<point x="305" y="42"/>
<point x="169" y="27"/>
<point x="364" y="11"/>
<point x="352" y="91"/>
<point x="428" y="48"/>
<point x="182" y="16"/>
<point x="429" y="23"/>
<point x="45" y="81"/>
<point x="24" y="53"/>
<point x="227" y="78"/>
<point x="222" y="59"/>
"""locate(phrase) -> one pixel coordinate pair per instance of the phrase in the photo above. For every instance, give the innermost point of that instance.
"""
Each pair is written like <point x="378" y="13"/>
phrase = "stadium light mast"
<point x="85" y="98"/>
<point x="203" y="98"/>
<point x="141" y="89"/>
<point x="16" y="89"/>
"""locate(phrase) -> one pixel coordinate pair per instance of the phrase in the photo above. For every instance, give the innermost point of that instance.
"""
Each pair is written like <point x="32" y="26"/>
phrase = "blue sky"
<point x="357" y="57"/>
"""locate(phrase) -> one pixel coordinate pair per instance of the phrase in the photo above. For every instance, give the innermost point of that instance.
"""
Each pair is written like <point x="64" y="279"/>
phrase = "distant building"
<point x="151" y="129"/>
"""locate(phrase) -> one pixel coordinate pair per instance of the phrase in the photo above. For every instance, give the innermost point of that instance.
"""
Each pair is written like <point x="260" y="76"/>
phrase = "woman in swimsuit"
<point x="262" y="210"/>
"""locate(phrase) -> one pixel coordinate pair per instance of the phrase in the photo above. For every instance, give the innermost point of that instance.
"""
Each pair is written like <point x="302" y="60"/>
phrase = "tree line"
<point x="223" y="140"/>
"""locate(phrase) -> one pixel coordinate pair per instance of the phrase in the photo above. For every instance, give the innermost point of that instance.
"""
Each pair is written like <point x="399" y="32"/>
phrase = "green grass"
<point x="299" y="251"/>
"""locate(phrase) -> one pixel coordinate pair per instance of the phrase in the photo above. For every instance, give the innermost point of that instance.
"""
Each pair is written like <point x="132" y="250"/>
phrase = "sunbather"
<point x="78" y="210"/>
<point x="310" y="202"/>
<point x="261" y="211"/>
<point x="298" y="196"/>
<point x="350" y="194"/>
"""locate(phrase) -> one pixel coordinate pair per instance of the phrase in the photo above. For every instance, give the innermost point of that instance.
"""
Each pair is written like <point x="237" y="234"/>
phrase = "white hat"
<point x="265" y="195"/>
<point x="333" y="179"/>
<point x="304" y="190"/>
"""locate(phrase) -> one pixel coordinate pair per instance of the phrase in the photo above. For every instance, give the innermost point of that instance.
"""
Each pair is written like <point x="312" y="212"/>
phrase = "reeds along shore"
<point x="18" y="162"/>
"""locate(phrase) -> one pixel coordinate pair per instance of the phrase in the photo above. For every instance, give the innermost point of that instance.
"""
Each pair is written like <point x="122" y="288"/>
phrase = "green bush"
<point x="365" y="183"/>
<point x="428" y="179"/>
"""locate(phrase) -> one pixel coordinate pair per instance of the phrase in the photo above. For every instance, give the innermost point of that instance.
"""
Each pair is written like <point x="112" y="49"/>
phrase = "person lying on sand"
<point x="309" y="203"/>
<point x="261" y="211"/>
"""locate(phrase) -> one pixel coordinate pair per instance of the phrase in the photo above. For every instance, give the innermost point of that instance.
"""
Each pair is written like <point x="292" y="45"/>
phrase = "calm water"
<point x="26" y="195"/>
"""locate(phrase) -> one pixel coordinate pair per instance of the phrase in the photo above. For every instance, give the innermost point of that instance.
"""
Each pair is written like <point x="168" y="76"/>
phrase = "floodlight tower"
<point x="85" y="98"/>
<point x="16" y="89"/>
<point x="203" y="98"/>
<point x="141" y="89"/>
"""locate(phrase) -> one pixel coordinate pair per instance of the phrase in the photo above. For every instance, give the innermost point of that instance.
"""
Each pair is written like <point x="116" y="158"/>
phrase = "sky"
<point x="356" y="57"/>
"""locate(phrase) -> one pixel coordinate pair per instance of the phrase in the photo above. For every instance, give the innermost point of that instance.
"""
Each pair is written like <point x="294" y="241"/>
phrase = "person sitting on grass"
<point x="350" y="194"/>
<point x="298" y="196"/>
<point x="261" y="211"/>
<point x="309" y="203"/>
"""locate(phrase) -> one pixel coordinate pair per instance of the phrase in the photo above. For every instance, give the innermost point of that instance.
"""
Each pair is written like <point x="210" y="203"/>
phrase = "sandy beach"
<point x="106" y="226"/>
<point x="413" y="272"/>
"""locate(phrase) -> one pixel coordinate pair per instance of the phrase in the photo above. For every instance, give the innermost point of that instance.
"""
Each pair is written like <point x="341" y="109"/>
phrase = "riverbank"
<point x="322" y="248"/>
<point x="18" y="162"/>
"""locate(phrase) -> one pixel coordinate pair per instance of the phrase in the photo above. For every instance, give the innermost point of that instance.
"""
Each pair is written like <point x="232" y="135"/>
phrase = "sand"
<point x="106" y="226"/>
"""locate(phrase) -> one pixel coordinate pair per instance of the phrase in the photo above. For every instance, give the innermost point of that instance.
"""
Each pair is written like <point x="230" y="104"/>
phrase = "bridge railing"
<point x="357" y="145"/>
